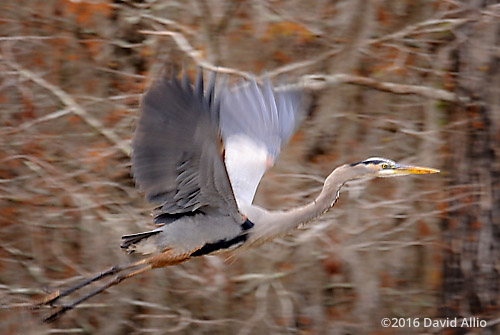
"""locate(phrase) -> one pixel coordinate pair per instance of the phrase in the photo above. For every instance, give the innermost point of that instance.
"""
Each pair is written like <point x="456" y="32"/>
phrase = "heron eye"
<point x="384" y="166"/>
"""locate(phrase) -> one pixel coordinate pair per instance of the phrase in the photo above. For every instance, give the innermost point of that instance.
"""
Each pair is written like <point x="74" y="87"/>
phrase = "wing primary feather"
<point x="212" y="102"/>
<point x="211" y="88"/>
<point x="257" y="95"/>
<point x="270" y="99"/>
<point x="193" y="203"/>
<point x="215" y="108"/>
<point x="191" y="181"/>
<point x="199" y="83"/>
<point x="184" y="175"/>
<point x="246" y="99"/>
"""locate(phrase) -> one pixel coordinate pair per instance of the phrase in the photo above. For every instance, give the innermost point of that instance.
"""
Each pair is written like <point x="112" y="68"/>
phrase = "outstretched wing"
<point x="177" y="150"/>
<point x="256" y="122"/>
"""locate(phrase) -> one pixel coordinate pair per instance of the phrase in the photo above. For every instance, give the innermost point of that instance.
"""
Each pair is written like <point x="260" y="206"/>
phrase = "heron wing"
<point x="177" y="149"/>
<point x="256" y="118"/>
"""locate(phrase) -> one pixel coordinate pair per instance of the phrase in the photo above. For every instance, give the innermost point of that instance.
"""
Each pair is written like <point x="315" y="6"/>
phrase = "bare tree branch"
<point x="185" y="46"/>
<point x="172" y="23"/>
<point x="297" y="65"/>
<point x="231" y="8"/>
<point x="320" y="81"/>
<point x="415" y="28"/>
<point x="73" y="105"/>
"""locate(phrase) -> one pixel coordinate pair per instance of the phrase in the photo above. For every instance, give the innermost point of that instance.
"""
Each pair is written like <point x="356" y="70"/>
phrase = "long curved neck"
<point x="270" y="225"/>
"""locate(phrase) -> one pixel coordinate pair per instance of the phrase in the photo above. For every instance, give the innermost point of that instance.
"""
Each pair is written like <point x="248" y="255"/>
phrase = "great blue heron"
<point x="200" y="155"/>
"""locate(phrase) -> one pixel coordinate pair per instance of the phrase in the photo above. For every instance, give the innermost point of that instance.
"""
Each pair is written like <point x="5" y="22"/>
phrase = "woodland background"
<point x="416" y="81"/>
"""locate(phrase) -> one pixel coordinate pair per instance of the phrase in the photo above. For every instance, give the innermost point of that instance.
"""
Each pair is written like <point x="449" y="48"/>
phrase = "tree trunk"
<point x="472" y="227"/>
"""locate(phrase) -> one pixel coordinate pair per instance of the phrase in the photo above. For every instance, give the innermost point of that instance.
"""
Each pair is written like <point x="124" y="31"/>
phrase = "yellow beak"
<point x="408" y="169"/>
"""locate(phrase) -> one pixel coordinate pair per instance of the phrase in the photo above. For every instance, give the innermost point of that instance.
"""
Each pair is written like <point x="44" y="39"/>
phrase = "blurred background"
<point x="416" y="81"/>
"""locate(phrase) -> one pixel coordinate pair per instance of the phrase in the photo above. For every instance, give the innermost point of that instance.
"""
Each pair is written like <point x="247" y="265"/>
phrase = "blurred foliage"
<point x="72" y="76"/>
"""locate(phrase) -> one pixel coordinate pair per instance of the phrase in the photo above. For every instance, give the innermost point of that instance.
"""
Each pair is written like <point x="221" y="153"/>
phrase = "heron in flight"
<point x="199" y="156"/>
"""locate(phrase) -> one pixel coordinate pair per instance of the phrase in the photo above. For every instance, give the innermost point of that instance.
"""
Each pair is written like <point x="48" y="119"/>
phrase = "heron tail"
<point x="139" y="242"/>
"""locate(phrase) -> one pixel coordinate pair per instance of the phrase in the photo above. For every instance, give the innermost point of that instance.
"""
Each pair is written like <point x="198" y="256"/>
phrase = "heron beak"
<point x="409" y="169"/>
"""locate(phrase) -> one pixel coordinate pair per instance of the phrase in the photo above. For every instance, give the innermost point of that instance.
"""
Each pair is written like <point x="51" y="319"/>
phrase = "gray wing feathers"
<point x="263" y="114"/>
<point x="176" y="149"/>
<point x="290" y="105"/>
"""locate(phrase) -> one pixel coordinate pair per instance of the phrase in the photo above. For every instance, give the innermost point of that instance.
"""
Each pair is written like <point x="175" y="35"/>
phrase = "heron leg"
<point x="104" y="287"/>
<point x="53" y="297"/>
<point x="166" y="258"/>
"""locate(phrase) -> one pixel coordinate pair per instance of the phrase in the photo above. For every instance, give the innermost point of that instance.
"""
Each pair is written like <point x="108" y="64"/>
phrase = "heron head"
<point x="383" y="167"/>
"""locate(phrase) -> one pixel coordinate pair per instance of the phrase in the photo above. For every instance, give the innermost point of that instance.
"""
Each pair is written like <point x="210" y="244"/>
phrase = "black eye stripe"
<point x="368" y="162"/>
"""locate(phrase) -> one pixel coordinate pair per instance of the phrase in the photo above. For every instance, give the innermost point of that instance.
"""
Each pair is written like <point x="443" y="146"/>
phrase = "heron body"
<point x="199" y="156"/>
